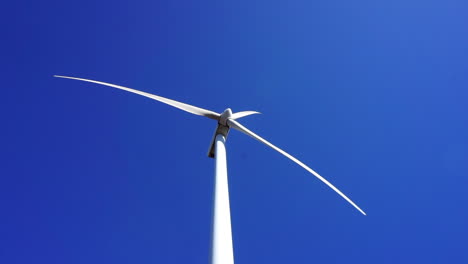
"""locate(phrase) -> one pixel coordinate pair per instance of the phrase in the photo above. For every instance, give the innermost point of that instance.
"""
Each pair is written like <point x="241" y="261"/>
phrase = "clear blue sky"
<point x="371" y="94"/>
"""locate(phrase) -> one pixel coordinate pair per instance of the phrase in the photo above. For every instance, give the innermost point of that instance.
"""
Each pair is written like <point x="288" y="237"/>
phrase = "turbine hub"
<point x="224" y="117"/>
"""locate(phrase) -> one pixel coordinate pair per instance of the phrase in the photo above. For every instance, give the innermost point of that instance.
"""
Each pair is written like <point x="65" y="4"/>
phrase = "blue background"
<point x="371" y="94"/>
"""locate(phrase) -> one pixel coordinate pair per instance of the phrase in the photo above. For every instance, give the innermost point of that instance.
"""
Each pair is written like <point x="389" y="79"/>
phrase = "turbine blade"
<point x="243" y="113"/>
<point x="241" y="128"/>
<point x="186" y="107"/>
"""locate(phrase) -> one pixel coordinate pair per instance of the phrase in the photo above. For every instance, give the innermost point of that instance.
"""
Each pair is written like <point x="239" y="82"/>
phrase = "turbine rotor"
<point x="226" y="120"/>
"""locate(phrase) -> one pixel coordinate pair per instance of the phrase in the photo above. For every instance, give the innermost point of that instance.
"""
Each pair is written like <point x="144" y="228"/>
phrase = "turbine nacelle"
<point x="223" y="126"/>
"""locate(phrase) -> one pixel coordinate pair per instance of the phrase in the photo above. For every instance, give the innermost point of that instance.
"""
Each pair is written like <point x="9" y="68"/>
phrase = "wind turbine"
<point x="222" y="251"/>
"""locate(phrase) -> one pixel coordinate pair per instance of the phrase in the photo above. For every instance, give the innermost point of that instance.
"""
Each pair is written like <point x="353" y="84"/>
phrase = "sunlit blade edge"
<point x="186" y="107"/>
<point x="241" y="128"/>
<point x="243" y="114"/>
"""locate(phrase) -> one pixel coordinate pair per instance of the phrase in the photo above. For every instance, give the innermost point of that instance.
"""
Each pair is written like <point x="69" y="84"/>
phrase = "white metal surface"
<point x="222" y="251"/>
<point x="220" y="130"/>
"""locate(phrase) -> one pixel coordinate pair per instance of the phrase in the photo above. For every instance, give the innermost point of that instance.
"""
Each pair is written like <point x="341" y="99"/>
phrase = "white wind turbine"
<point x="222" y="251"/>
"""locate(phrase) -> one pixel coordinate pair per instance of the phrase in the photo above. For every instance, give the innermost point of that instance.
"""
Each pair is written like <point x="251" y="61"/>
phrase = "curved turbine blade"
<point x="186" y="107"/>
<point x="243" y="113"/>
<point x="241" y="128"/>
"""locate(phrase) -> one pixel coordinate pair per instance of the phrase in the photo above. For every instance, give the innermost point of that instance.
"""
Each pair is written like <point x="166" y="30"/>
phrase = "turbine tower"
<point x="222" y="249"/>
